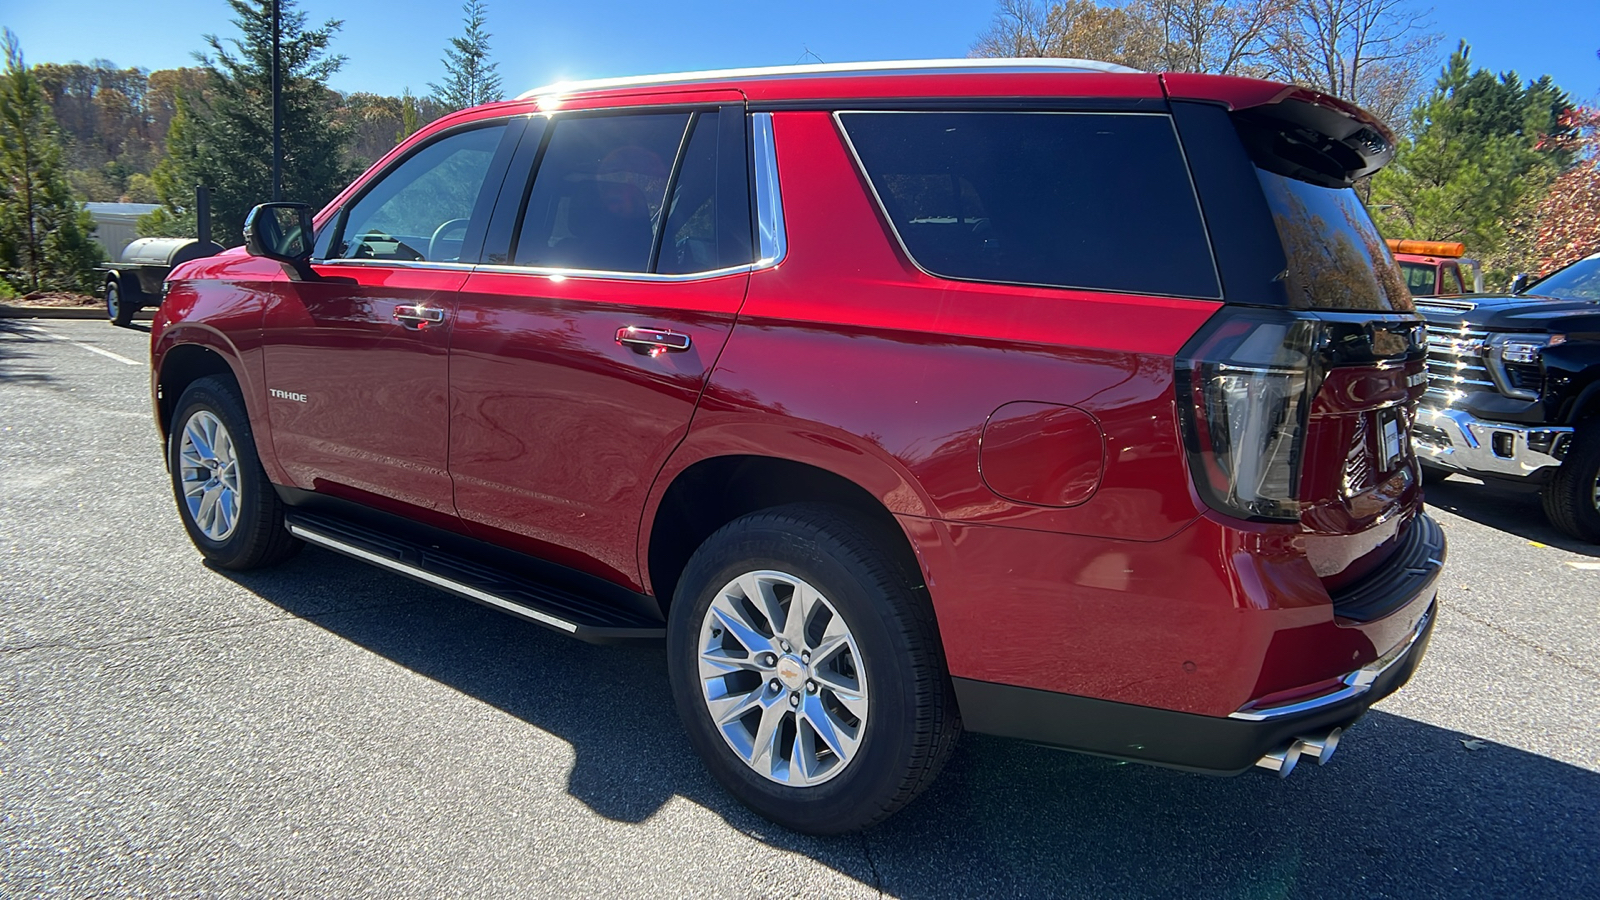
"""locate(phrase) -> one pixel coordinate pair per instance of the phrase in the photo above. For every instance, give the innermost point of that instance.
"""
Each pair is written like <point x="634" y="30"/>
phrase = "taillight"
<point x="1247" y="385"/>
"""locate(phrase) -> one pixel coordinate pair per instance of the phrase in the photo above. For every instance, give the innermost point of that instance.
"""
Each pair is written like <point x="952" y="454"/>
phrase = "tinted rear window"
<point x="1101" y="201"/>
<point x="1337" y="260"/>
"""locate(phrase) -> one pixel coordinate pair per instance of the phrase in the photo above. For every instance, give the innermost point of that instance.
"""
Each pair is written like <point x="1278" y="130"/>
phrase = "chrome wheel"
<point x="782" y="678"/>
<point x="208" y="470"/>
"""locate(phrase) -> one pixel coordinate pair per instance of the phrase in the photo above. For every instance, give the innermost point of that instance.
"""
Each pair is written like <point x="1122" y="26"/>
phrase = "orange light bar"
<point x="1427" y="248"/>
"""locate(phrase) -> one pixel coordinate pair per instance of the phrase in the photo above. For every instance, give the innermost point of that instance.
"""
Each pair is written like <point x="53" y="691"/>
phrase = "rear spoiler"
<point x="1294" y="131"/>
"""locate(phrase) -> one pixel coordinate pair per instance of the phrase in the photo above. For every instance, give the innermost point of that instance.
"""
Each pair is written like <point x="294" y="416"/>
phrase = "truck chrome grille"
<point x="1456" y="364"/>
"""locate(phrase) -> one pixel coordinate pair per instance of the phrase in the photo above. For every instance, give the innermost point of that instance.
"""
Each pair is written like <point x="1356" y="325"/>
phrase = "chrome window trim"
<point x="548" y="272"/>
<point x="883" y="209"/>
<point x="545" y="271"/>
<point x="883" y="67"/>
<point x="395" y="263"/>
<point x="771" y="232"/>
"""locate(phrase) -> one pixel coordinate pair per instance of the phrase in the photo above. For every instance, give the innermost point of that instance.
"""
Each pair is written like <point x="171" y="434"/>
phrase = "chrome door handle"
<point x="652" y="341"/>
<point x="418" y="316"/>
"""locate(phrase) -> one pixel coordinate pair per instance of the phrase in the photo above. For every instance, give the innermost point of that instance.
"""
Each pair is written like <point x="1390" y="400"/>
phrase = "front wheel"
<point x="1572" y="498"/>
<point x="808" y="671"/>
<point x="230" y="510"/>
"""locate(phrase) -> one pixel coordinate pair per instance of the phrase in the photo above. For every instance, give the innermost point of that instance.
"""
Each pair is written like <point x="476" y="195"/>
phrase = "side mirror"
<point x="281" y="231"/>
<point x="1520" y="283"/>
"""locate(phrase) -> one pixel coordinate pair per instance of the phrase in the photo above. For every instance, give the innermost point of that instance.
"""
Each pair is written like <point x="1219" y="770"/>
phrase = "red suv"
<point x="1042" y="399"/>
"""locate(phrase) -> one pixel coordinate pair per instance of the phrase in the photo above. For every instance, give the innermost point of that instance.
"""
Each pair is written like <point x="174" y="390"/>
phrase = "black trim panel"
<point x="1163" y="737"/>
<point x="1245" y="240"/>
<point x="1412" y="570"/>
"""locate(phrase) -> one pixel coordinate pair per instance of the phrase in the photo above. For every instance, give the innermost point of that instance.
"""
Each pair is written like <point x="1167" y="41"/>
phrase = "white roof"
<point x="1027" y="65"/>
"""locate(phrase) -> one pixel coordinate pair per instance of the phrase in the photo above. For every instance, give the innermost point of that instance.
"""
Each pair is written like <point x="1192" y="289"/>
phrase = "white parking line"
<point x="92" y="349"/>
<point x="1586" y="566"/>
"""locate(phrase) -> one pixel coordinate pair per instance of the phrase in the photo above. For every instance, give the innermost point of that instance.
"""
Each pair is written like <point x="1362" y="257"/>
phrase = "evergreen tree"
<point x="225" y="142"/>
<point x="410" y="120"/>
<point x="470" y="78"/>
<point x="44" y="233"/>
<point x="1483" y="153"/>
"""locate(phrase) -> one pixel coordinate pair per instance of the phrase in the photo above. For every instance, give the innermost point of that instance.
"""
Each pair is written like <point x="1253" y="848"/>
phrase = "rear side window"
<point x="1101" y="201"/>
<point x="600" y="191"/>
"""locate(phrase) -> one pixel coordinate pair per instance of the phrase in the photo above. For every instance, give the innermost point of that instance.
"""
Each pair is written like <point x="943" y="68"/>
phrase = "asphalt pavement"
<point x="327" y="729"/>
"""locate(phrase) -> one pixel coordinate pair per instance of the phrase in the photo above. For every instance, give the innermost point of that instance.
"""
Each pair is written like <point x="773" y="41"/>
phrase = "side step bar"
<point x="587" y="619"/>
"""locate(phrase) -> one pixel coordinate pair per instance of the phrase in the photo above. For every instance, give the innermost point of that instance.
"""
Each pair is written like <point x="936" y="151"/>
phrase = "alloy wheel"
<point x="782" y="678"/>
<point x="208" y="466"/>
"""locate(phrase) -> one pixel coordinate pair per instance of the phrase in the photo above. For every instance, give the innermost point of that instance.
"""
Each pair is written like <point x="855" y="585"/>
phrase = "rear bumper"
<point x="1212" y="744"/>
<point x="1457" y="440"/>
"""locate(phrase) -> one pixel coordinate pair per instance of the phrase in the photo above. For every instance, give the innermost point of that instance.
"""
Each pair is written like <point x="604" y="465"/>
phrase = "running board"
<point x="586" y="619"/>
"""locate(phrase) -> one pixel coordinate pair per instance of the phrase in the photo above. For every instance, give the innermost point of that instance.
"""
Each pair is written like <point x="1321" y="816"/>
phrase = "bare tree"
<point x="1019" y="28"/>
<point x="1080" y="29"/>
<point x="1375" y="53"/>
<point x="1226" y="37"/>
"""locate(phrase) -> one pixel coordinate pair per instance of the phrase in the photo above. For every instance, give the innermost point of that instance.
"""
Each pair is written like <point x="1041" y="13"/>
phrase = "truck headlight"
<point x="1523" y="348"/>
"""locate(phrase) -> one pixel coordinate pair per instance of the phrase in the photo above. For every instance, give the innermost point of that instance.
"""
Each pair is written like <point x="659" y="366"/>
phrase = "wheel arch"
<point x="713" y="491"/>
<point x="1587" y="404"/>
<point x="187" y="355"/>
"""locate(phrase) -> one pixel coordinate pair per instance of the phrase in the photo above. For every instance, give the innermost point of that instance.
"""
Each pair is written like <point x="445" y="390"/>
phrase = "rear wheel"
<point x="808" y="671"/>
<point x="118" y="308"/>
<point x="1572" y="498"/>
<point x="230" y="510"/>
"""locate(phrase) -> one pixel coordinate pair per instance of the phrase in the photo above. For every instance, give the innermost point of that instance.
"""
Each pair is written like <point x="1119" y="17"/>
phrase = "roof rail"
<point x="890" y="67"/>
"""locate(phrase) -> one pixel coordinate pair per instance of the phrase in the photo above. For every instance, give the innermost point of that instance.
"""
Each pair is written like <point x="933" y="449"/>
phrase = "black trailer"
<point x="134" y="282"/>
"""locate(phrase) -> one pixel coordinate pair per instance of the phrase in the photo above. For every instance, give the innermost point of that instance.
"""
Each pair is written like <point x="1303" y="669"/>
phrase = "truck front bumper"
<point x="1461" y="442"/>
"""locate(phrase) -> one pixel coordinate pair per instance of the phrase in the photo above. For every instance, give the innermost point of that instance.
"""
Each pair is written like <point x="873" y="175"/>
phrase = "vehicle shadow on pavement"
<point x="1514" y="509"/>
<point x="1406" y="809"/>
<point x="19" y="363"/>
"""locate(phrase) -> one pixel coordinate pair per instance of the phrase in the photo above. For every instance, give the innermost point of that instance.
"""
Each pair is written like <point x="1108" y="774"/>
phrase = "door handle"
<point x="417" y="316"/>
<point x="652" y="341"/>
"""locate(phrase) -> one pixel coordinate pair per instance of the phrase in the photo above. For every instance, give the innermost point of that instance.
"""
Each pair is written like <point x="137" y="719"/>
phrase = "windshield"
<point x="1579" y="281"/>
<point x="1419" y="278"/>
<point x="1336" y="258"/>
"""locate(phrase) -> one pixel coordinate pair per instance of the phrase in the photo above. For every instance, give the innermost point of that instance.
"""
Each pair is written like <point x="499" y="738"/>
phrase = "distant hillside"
<point x="114" y="122"/>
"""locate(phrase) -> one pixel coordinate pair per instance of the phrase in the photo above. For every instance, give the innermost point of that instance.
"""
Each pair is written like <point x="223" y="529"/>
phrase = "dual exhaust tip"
<point x="1284" y="759"/>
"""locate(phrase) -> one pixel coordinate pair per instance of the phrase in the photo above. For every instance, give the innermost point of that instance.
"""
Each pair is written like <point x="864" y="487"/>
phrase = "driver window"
<point x="420" y="211"/>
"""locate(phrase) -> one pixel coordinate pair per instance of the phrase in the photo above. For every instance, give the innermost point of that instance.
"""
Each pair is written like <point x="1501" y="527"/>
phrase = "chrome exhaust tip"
<point x="1282" y="760"/>
<point x="1321" y="749"/>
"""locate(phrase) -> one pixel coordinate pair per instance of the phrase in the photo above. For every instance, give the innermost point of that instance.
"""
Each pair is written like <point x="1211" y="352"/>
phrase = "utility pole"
<point x="277" y="103"/>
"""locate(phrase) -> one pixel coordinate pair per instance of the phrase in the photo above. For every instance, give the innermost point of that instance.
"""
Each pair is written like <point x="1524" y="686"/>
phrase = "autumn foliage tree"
<point x="1569" y="217"/>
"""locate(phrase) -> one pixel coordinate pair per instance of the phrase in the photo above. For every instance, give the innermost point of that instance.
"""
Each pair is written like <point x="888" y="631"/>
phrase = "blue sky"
<point x="395" y="44"/>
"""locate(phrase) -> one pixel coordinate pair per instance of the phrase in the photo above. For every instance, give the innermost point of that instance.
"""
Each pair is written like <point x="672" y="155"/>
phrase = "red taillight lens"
<point x="1247" y="384"/>
<point x="1245" y="388"/>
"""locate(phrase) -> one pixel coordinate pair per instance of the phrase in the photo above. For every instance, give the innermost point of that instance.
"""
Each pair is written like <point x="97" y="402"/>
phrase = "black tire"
<point x="258" y="537"/>
<point x="912" y="722"/>
<point x="120" y="304"/>
<point x="1570" y="499"/>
